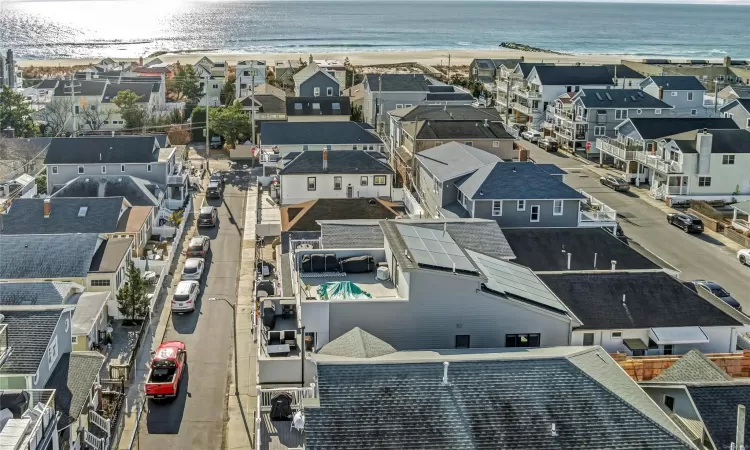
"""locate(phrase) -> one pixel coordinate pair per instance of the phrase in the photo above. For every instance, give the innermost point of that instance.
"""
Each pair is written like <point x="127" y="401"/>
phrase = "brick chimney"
<point x="661" y="93"/>
<point x="140" y="61"/>
<point x="47" y="208"/>
<point x="727" y="61"/>
<point x="523" y="154"/>
<point x="325" y="160"/>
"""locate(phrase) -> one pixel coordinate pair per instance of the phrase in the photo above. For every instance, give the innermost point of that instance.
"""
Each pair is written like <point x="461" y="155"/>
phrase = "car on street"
<point x="532" y="136"/>
<point x="213" y="190"/>
<point x="185" y="296"/>
<point x="207" y="216"/>
<point x="215" y="142"/>
<point x="218" y="177"/>
<point x="744" y="256"/>
<point x="198" y="246"/>
<point x="688" y="222"/>
<point x="193" y="269"/>
<point x="716" y="289"/>
<point x="616" y="183"/>
<point x="165" y="370"/>
<point x="548" y="144"/>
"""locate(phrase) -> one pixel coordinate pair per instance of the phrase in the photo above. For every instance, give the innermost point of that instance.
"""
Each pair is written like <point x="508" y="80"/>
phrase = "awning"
<point x="635" y="344"/>
<point x="678" y="335"/>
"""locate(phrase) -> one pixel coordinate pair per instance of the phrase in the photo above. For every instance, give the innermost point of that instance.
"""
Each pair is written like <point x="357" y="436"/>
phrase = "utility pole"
<point x="716" y="96"/>
<point x="252" y="95"/>
<point x="449" y="67"/>
<point x="508" y="85"/>
<point x="208" y="144"/>
<point x="72" y="86"/>
<point x="379" y="106"/>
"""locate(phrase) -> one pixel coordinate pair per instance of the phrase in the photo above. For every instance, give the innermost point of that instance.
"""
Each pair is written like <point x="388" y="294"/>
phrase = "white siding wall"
<point x="725" y="178"/>
<point x="294" y="187"/>
<point x="722" y="340"/>
<point x="284" y="149"/>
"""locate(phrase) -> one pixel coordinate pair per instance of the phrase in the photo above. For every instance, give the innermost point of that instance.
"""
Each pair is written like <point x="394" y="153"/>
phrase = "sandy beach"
<point x="432" y="58"/>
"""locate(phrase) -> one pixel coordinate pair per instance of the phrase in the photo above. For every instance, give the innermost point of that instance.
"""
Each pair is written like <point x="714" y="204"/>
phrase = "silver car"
<point x="193" y="269"/>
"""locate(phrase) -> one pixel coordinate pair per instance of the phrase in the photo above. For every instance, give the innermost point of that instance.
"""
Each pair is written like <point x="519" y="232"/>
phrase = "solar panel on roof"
<point x="435" y="248"/>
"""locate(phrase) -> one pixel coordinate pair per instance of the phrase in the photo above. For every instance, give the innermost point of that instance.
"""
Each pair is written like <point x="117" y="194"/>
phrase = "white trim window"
<point x="311" y="183"/>
<point x="148" y="167"/>
<point x="495" y="144"/>
<point x="617" y="335"/>
<point x="534" y="215"/>
<point x="378" y="180"/>
<point x="329" y="91"/>
<point x="600" y="131"/>
<point x="704" y="181"/>
<point x="657" y="111"/>
<point x="104" y="169"/>
<point x="557" y="207"/>
<point x="81" y="170"/>
<point x="337" y="183"/>
<point x="727" y="159"/>
<point x="497" y="208"/>
<point x="621" y="114"/>
<point x="74" y="340"/>
<point x="693" y="112"/>
<point x="316" y="92"/>
<point x="54" y="170"/>
<point x="674" y="94"/>
<point x="52" y="351"/>
<point x="399" y="105"/>
<point x="122" y="167"/>
<point x="521" y="205"/>
<point x="690" y="96"/>
<point x="364" y="180"/>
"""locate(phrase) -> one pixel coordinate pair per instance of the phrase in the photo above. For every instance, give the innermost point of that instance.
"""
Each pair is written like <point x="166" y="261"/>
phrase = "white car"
<point x="744" y="256"/>
<point x="532" y="135"/>
<point x="193" y="269"/>
<point x="185" y="296"/>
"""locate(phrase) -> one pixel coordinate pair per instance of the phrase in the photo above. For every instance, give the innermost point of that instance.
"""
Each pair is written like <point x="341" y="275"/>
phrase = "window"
<point x="461" y="198"/>
<point x="399" y="105"/>
<point x="363" y="180"/>
<point x="104" y="169"/>
<point x="148" y="167"/>
<point x="316" y="106"/>
<point x="100" y="283"/>
<point x="54" y="169"/>
<point x="588" y="338"/>
<point x="469" y="143"/>
<point x="534" y="216"/>
<point x="336" y="183"/>
<point x="316" y="92"/>
<point x="80" y="169"/>
<point x="693" y="112"/>
<point x="617" y="335"/>
<point x="557" y="207"/>
<point x="122" y="167"/>
<point x="327" y="147"/>
<point x="674" y="94"/>
<point x="78" y="109"/>
<point x="408" y="105"/>
<point x="378" y="180"/>
<point x="521" y="205"/>
<point x="305" y="148"/>
<point x="74" y="340"/>
<point x="690" y="96"/>
<point x="329" y="92"/>
<point x="599" y="131"/>
<point x="727" y="159"/>
<point x="495" y="144"/>
<point x="522" y="340"/>
<point x="298" y="106"/>
<point x="53" y="351"/>
<point x="747" y="124"/>
<point x="497" y="208"/>
<point x="354" y="147"/>
<point x="669" y="402"/>
<point x="668" y="349"/>
<point x="311" y="183"/>
<point x="704" y="181"/>
<point x="639" y="111"/>
<point x="657" y="111"/>
<point x="438" y="143"/>
<point x="463" y="341"/>
<point x="621" y="114"/>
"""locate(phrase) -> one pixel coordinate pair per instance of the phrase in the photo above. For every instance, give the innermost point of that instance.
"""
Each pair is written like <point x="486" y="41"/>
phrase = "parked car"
<point x="213" y="190"/>
<point x="215" y="142"/>
<point x="532" y="136"/>
<point x="688" y="222"/>
<point x="165" y="370"/>
<point x="218" y="177"/>
<point x="549" y="144"/>
<point x="207" y="216"/>
<point x="198" y="246"/>
<point x="185" y="296"/>
<point x="193" y="269"/>
<point x="744" y="256"/>
<point x="717" y="290"/>
<point x="616" y="183"/>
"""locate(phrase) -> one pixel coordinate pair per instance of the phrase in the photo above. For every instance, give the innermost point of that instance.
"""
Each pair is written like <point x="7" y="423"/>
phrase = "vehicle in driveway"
<point x="185" y="296"/>
<point x="207" y="216"/>
<point x="165" y="370"/>
<point x="215" y="142"/>
<point x="193" y="269"/>
<point x="616" y="183"/>
<point x="744" y="256"/>
<point x="548" y="144"/>
<point x="532" y="136"/>
<point x="198" y="246"/>
<point x="716" y="289"/>
<point x="688" y="222"/>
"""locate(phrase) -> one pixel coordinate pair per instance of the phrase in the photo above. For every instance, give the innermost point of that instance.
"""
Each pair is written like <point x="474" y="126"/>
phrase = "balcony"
<point x="34" y="421"/>
<point x="273" y="434"/>
<point x="548" y="125"/>
<point x="656" y="162"/>
<point x="178" y="177"/>
<point x="525" y="92"/>
<point x="568" y="133"/>
<point x="617" y="148"/>
<point x="594" y="213"/>
<point x="523" y="109"/>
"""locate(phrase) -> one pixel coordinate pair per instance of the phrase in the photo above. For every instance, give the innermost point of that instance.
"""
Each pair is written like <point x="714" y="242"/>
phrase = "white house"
<point x="249" y="73"/>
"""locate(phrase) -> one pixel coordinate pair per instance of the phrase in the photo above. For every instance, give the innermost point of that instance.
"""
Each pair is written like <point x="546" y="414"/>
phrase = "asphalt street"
<point x="696" y="256"/>
<point x="195" y="419"/>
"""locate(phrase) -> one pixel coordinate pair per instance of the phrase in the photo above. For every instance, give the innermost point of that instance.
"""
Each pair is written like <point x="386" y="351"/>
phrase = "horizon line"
<point x="653" y="2"/>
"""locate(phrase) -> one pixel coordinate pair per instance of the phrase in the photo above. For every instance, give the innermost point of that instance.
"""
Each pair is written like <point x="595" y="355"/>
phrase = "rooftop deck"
<point x="365" y="281"/>
<point x="278" y="434"/>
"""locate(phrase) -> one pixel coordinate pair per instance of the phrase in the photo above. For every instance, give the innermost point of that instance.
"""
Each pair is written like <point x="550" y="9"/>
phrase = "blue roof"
<point x="552" y="169"/>
<point x="316" y="133"/>
<point x="516" y="181"/>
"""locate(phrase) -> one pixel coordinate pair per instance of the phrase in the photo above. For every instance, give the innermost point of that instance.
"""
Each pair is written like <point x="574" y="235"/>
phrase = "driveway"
<point x="696" y="256"/>
<point x="195" y="419"/>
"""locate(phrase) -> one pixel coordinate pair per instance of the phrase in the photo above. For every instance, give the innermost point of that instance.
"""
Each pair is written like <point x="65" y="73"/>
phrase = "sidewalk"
<point x="240" y="429"/>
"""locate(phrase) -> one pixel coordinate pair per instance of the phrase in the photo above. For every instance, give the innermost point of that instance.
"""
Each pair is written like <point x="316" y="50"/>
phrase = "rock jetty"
<point x="528" y="48"/>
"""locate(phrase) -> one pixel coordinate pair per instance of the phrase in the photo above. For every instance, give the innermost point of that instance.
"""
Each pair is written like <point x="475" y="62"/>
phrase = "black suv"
<point x="213" y="190"/>
<point x="207" y="217"/>
<point x="688" y="222"/>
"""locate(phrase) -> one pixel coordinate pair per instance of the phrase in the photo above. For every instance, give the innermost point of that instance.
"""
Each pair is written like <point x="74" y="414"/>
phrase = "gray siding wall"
<point x="740" y="116"/>
<point x="307" y="87"/>
<point x="682" y="404"/>
<point x="389" y="101"/>
<point x="609" y="121"/>
<point x="440" y="307"/>
<point x="67" y="172"/>
<point x="513" y="218"/>
<point x="682" y="105"/>
<point x="64" y="336"/>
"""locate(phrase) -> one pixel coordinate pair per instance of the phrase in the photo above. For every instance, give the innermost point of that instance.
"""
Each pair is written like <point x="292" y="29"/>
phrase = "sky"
<point x="706" y="2"/>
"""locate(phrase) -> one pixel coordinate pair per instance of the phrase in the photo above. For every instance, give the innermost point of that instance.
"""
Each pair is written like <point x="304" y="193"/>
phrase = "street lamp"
<point x="236" y="348"/>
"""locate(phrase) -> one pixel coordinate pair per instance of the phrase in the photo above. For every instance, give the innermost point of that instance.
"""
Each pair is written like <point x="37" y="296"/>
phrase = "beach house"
<point x="684" y="93"/>
<point x="248" y="73"/>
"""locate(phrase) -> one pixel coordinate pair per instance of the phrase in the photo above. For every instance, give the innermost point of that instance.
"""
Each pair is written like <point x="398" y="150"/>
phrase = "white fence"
<point x="164" y="232"/>
<point x="412" y="205"/>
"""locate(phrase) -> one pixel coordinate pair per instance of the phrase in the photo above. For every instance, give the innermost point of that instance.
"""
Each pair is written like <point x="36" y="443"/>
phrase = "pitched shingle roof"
<point x="509" y="403"/>
<point x="29" y="333"/>
<point x="26" y="216"/>
<point x="318" y="106"/>
<point x="443" y="96"/>
<point x="316" y="133"/>
<point x="305" y="216"/>
<point x="38" y="293"/>
<point x="269" y="103"/>
<point x="88" y="307"/>
<point x="47" y="84"/>
<point x="743" y="102"/>
<point x="659" y="128"/>
<point x="692" y="367"/>
<point x="137" y="192"/>
<point x="574" y="75"/>
<point x="515" y="181"/>
<point x="83" y="88"/>
<point x="675" y="82"/>
<point x="397" y="82"/>
<point x="452" y="160"/>
<point x="109" y="255"/>
<point x="623" y="71"/>
<point x="142" y="90"/>
<point x="357" y="343"/>
<point x="653" y="299"/>
<point x="47" y="256"/>
<point x="72" y="379"/>
<point x="717" y="406"/>
<point x="367" y="234"/>
<point x="461" y="130"/>
<point x="445" y="112"/>
<point x="619" y="98"/>
<point x="104" y="150"/>
<point x="339" y="161"/>
<point x="724" y="141"/>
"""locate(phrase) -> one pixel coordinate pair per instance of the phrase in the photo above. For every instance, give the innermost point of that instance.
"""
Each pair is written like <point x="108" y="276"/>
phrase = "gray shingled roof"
<point x="717" y="406"/>
<point x="26" y="216"/>
<point x="47" y="256"/>
<point x="445" y="112"/>
<point x="461" y="130"/>
<point x="357" y="343"/>
<point x="104" y="150"/>
<point x="88" y="306"/>
<point x="142" y="90"/>
<point x="619" y="98"/>
<point x="692" y="367"/>
<point x="339" y="162"/>
<point x="364" y="234"/>
<point x="316" y="133"/>
<point x="137" y="192"/>
<point x="305" y="106"/>
<point x="508" y="403"/>
<point x="72" y="379"/>
<point x="675" y="82"/>
<point x="516" y="181"/>
<point x="29" y="333"/>
<point x="109" y="255"/>
<point x="668" y="126"/>
<point x="452" y="160"/>
<point x="574" y="75"/>
<point x="84" y="88"/>
<point x="723" y="141"/>
<point x="397" y="82"/>
<point x="38" y="293"/>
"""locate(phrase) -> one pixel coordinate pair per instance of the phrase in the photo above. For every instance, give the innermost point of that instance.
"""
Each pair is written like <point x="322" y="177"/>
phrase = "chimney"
<point x="727" y="61"/>
<point x="623" y="299"/>
<point x="445" y="372"/>
<point x="47" y="208"/>
<point x="614" y="265"/>
<point x="11" y="69"/>
<point x="486" y="123"/>
<point x="325" y="160"/>
<point x="523" y="154"/>
<point x="570" y="256"/>
<point x="661" y="93"/>
<point x="140" y="61"/>
<point x="704" y="144"/>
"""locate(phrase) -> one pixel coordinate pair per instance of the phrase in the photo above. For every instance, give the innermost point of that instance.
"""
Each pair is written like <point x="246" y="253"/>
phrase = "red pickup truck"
<point x="166" y="368"/>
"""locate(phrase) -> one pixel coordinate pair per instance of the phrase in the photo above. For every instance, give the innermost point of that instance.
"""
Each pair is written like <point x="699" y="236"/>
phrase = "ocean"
<point x="92" y="29"/>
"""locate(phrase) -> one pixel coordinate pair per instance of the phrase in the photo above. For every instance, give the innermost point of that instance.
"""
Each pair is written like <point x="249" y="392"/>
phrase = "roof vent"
<point x="570" y="256"/>
<point x="486" y="123"/>
<point x="553" y="431"/>
<point x="82" y="211"/>
<point x="623" y="299"/>
<point x="608" y="96"/>
<point x="614" y="265"/>
<point x="445" y="373"/>
<point x="599" y="96"/>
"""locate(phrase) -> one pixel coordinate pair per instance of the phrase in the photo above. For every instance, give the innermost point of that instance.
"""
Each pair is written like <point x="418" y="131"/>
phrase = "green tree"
<point x="15" y="112"/>
<point x="134" y="115"/>
<point x="132" y="297"/>
<point x="198" y="123"/>
<point x="186" y="85"/>
<point x="230" y="122"/>
<point x="356" y="115"/>
<point x="175" y="219"/>
<point x="228" y="95"/>
<point x="41" y="182"/>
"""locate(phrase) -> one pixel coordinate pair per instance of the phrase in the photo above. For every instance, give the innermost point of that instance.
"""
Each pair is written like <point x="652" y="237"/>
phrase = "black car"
<point x="616" y="183"/>
<point x="718" y="291"/>
<point x="207" y="217"/>
<point x="213" y="190"/>
<point x="548" y="144"/>
<point x="688" y="222"/>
